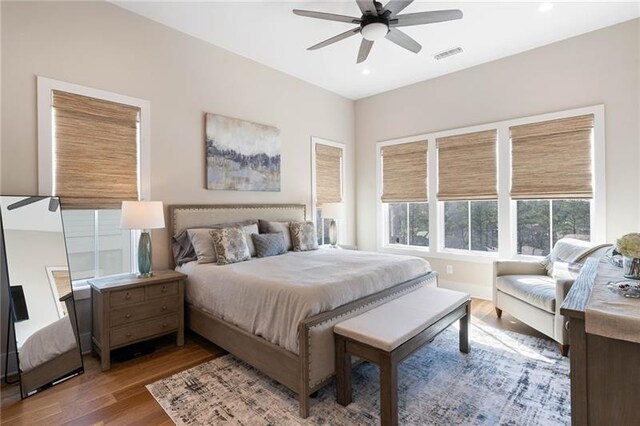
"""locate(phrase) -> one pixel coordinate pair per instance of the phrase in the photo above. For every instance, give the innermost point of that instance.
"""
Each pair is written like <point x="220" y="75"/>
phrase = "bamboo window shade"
<point x="467" y="166"/>
<point x="63" y="285"/>
<point x="328" y="174"/>
<point x="96" y="152"/>
<point x="404" y="172"/>
<point x="552" y="159"/>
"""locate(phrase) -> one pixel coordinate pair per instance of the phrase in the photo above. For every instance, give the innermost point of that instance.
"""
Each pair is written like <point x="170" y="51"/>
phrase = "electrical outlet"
<point x="449" y="269"/>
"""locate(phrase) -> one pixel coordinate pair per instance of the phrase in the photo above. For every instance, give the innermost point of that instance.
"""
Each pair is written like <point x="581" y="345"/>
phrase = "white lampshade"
<point x="142" y="215"/>
<point x="333" y="210"/>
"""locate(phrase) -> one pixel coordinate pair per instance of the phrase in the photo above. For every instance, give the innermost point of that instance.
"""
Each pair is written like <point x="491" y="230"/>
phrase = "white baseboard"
<point x="476" y="291"/>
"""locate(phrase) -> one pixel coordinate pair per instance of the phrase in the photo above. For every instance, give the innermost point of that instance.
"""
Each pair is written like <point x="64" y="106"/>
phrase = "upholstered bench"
<point x="391" y="332"/>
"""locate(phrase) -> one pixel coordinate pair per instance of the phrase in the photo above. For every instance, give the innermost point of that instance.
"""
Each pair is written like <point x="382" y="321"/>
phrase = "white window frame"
<point x="45" y="86"/>
<point x="342" y="227"/>
<point x="506" y="206"/>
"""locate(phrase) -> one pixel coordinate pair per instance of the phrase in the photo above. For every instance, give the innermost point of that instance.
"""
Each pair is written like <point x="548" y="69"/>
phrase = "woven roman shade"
<point x="552" y="159"/>
<point x="404" y="172"/>
<point x="467" y="166"/>
<point x="328" y="174"/>
<point x="95" y="152"/>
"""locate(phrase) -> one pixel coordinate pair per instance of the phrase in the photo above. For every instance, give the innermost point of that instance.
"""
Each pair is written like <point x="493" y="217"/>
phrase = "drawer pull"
<point x="164" y="289"/>
<point x="127" y="296"/>
<point x="164" y="308"/>
<point x="127" y="316"/>
<point x="129" y="334"/>
<point x="164" y="325"/>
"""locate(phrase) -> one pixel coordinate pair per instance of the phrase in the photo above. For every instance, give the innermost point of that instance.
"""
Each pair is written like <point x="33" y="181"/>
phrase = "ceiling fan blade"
<point x="367" y="7"/>
<point x="327" y="16"/>
<point x="25" y="202"/>
<point x="395" y="6"/>
<point x="425" y="18"/>
<point x="334" y="39"/>
<point x="403" y="40"/>
<point x="365" y="48"/>
<point x="54" y="203"/>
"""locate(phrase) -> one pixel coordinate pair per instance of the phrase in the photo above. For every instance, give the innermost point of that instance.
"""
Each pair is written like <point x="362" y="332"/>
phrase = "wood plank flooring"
<point x="119" y="396"/>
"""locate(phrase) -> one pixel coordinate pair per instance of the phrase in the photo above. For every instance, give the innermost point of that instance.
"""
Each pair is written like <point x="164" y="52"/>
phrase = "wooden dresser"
<point x="128" y="309"/>
<point x="605" y="371"/>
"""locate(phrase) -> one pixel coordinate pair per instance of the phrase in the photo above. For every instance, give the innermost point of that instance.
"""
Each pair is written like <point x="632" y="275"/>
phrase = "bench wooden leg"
<point x="343" y="372"/>
<point x="388" y="391"/>
<point x="464" y="331"/>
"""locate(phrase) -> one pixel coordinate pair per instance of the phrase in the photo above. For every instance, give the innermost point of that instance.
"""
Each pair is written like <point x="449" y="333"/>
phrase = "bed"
<point x="277" y="314"/>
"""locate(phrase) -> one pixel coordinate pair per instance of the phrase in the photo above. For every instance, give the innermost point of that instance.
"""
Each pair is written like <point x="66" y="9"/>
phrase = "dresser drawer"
<point x="144" y="329"/>
<point x="126" y="297"/>
<point x="153" y="308"/>
<point x="162" y="290"/>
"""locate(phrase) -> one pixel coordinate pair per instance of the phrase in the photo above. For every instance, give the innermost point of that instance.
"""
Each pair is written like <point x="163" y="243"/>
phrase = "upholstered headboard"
<point x="193" y="216"/>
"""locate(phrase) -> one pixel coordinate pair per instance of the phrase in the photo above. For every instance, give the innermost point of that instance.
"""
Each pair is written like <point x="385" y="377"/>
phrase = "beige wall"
<point x="102" y="46"/>
<point x="596" y="68"/>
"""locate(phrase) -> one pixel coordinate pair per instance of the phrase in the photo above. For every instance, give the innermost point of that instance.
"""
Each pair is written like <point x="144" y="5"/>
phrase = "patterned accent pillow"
<point x="269" y="244"/>
<point x="303" y="236"/>
<point x="202" y="241"/>
<point x="230" y="244"/>
<point x="271" y="227"/>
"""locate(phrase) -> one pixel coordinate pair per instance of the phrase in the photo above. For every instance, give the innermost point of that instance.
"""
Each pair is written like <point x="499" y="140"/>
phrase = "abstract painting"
<point x="241" y="155"/>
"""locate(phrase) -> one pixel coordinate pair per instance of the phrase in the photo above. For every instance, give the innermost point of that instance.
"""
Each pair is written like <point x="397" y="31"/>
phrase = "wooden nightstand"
<point x="128" y="309"/>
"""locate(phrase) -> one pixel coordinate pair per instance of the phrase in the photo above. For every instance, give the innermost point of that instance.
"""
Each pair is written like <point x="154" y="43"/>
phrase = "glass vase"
<point x="631" y="267"/>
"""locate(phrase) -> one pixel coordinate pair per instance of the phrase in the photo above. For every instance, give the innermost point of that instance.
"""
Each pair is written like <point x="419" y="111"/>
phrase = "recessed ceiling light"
<point x="545" y="7"/>
<point x="366" y="71"/>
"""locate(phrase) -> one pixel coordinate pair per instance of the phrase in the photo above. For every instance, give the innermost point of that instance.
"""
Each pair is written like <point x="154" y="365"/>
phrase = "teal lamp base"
<point x="144" y="255"/>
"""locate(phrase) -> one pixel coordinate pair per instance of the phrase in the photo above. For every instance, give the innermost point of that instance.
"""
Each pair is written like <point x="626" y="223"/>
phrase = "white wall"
<point x="100" y="45"/>
<point x="595" y="68"/>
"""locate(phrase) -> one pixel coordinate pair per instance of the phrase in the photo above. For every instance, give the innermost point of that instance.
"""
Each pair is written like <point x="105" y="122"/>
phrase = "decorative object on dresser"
<point x="241" y="155"/>
<point x="41" y="316"/>
<point x="143" y="215"/>
<point x="129" y="309"/>
<point x="629" y="247"/>
<point x="533" y="291"/>
<point x="335" y="212"/>
<point x="388" y="334"/>
<point x="604" y="330"/>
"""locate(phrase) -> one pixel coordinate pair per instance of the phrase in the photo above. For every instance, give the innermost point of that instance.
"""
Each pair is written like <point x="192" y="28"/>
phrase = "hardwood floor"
<point x="119" y="396"/>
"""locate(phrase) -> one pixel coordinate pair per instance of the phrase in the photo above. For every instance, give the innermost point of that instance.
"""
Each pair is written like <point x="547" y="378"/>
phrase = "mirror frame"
<point x="49" y="380"/>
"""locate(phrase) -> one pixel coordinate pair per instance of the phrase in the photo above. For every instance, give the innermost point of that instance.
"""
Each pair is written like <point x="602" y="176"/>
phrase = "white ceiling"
<point x="269" y="33"/>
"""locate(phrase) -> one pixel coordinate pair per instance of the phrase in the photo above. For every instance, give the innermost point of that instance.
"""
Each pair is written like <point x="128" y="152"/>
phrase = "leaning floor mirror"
<point x="42" y="314"/>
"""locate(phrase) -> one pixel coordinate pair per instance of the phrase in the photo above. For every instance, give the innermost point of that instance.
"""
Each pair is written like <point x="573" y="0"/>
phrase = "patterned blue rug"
<point x="506" y="379"/>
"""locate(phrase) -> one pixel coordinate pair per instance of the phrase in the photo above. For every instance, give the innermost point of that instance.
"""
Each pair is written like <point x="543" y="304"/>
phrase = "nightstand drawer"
<point x="126" y="297"/>
<point x="161" y="290"/>
<point x="142" y="330"/>
<point x="151" y="309"/>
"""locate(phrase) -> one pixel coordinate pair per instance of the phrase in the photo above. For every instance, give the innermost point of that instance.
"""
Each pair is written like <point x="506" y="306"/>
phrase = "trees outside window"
<point x="471" y="225"/>
<point x="408" y="224"/>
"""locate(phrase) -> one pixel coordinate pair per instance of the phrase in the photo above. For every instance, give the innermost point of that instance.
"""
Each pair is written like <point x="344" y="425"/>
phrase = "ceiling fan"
<point x="54" y="203"/>
<point x="379" y="22"/>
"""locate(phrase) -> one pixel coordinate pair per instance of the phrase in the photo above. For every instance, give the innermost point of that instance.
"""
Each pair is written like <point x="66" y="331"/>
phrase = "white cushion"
<point x="537" y="290"/>
<point x="390" y="325"/>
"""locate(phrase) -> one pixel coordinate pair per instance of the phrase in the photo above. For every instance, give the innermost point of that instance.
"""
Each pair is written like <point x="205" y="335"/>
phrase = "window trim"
<point x="45" y="86"/>
<point x="506" y="207"/>
<point x="342" y="227"/>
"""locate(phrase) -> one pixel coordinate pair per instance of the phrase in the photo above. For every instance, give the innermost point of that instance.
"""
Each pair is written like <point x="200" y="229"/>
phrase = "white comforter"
<point x="270" y="296"/>
<point x="47" y="343"/>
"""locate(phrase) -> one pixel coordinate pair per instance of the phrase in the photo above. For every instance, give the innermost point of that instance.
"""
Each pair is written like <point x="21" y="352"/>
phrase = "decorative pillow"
<point x="269" y="244"/>
<point x="203" y="243"/>
<point x="303" y="236"/>
<point x="230" y="245"/>
<point x="269" y="227"/>
<point x="183" y="251"/>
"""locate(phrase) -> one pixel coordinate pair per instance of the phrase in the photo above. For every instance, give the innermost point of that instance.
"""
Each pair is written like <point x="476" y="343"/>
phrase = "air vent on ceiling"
<point x="448" y="53"/>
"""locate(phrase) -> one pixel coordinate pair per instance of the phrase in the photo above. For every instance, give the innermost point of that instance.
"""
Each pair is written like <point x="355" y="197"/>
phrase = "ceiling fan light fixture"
<point x="374" y="31"/>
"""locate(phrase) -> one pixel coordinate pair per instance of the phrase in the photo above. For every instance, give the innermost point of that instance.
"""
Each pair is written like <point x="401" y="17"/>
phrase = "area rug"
<point x="506" y="379"/>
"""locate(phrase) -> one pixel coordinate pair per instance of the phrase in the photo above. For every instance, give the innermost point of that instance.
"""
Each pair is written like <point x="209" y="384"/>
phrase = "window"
<point x="90" y="151"/>
<point x="541" y="223"/>
<point x="467" y="183"/>
<point x="328" y="166"/>
<point x="504" y="189"/>
<point x="409" y="224"/>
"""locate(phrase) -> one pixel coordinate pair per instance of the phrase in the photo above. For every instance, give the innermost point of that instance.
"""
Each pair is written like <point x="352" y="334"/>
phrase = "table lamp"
<point x="143" y="215"/>
<point x="333" y="211"/>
